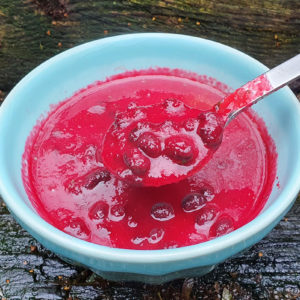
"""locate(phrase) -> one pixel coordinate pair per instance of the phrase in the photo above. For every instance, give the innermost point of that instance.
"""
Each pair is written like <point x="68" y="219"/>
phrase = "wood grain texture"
<point x="31" y="31"/>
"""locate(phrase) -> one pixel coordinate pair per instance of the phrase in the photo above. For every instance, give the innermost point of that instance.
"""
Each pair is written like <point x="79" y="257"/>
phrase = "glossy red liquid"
<point x="155" y="145"/>
<point x="70" y="188"/>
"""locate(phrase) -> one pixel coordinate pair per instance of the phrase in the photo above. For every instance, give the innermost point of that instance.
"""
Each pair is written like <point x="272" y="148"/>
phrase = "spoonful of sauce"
<point x="166" y="142"/>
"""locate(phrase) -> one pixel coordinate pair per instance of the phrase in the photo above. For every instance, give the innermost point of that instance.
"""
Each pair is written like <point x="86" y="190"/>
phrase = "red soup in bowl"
<point x="69" y="186"/>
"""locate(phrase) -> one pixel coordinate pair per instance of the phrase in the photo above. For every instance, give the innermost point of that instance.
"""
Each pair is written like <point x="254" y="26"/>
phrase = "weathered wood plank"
<point x="32" y="31"/>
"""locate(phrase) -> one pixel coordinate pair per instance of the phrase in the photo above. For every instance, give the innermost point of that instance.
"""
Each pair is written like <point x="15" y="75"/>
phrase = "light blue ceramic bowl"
<point x="71" y="70"/>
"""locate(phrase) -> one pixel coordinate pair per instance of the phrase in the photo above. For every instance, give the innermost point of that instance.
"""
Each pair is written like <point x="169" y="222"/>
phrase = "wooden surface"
<point x="32" y="31"/>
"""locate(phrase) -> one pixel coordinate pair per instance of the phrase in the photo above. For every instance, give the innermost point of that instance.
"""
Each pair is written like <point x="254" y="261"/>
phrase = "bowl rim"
<point x="43" y="229"/>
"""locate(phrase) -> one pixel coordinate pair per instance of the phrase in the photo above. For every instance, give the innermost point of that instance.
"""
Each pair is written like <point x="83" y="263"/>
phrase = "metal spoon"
<point x="258" y="88"/>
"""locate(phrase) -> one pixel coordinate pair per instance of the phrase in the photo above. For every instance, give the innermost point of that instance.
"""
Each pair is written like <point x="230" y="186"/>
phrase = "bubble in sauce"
<point x="223" y="225"/>
<point x="156" y="235"/>
<point x="193" y="202"/>
<point x="98" y="211"/>
<point x="117" y="213"/>
<point x="162" y="211"/>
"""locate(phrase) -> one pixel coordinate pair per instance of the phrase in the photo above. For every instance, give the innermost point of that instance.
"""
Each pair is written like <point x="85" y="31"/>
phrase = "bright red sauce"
<point x="245" y="95"/>
<point x="156" y="144"/>
<point x="70" y="188"/>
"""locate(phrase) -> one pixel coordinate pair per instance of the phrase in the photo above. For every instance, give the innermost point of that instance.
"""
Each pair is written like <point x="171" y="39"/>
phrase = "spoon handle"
<point x="259" y="87"/>
<point x="284" y="73"/>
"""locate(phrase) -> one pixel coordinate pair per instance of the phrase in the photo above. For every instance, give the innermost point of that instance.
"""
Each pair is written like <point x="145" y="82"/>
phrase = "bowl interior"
<point x="61" y="76"/>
